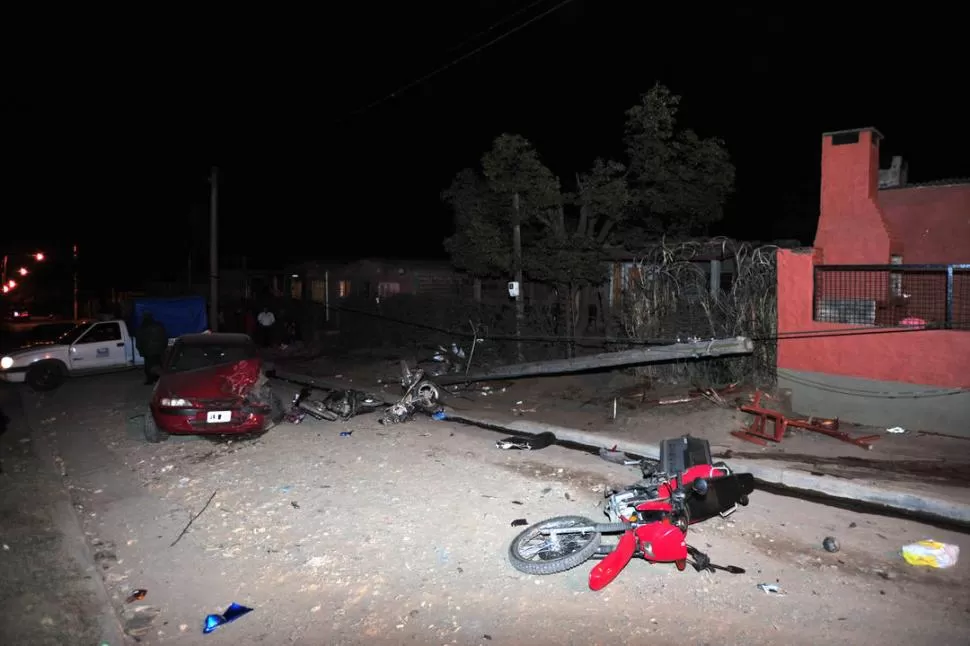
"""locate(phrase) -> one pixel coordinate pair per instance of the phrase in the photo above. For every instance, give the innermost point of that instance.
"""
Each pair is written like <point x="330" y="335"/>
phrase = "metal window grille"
<point x="930" y="296"/>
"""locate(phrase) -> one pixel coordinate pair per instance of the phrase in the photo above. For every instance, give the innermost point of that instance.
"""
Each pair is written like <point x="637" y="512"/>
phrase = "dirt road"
<point x="399" y="535"/>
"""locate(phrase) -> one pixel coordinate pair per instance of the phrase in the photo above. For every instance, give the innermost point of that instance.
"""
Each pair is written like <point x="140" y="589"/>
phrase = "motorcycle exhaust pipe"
<point x="601" y="528"/>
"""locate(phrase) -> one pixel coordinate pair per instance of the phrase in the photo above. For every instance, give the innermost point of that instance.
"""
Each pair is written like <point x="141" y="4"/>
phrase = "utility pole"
<point x="517" y="261"/>
<point x="75" y="281"/>
<point x="214" y="250"/>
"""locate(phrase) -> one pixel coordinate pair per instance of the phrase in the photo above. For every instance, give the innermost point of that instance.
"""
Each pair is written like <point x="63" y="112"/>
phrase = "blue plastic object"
<point x="439" y="416"/>
<point x="232" y="613"/>
<point x="180" y="316"/>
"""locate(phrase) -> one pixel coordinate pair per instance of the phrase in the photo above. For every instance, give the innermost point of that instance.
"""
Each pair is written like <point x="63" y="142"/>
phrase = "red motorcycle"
<point x="652" y="515"/>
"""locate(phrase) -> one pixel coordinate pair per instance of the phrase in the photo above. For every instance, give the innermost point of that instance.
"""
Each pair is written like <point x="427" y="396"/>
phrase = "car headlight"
<point x="5" y="363"/>
<point x="174" y="402"/>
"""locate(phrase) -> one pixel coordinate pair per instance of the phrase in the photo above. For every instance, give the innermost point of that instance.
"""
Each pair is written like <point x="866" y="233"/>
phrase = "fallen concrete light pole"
<point x="638" y="356"/>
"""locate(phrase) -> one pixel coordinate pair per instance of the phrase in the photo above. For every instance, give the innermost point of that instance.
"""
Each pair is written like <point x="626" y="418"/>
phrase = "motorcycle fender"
<point x="614" y="562"/>
<point x="662" y="542"/>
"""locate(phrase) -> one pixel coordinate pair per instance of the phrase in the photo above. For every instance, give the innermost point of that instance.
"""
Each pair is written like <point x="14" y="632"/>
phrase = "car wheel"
<point x="45" y="376"/>
<point x="152" y="433"/>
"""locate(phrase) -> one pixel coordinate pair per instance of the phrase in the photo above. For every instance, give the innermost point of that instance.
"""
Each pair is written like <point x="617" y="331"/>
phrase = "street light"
<point x="23" y="271"/>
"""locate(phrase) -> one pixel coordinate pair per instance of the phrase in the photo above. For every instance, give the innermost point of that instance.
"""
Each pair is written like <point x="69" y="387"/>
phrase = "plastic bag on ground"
<point x="931" y="554"/>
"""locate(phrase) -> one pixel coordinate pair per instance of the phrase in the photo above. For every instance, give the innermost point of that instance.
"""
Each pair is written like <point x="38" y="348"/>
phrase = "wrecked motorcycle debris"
<point x="653" y="516"/>
<point x="445" y="361"/>
<point x="337" y="405"/>
<point x="420" y="395"/>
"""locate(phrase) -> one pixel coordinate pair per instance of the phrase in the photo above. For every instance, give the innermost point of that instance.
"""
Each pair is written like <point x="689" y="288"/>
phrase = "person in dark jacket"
<point x="151" y="340"/>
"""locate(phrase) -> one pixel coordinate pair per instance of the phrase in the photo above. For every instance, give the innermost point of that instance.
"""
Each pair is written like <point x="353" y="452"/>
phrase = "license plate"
<point x="218" y="417"/>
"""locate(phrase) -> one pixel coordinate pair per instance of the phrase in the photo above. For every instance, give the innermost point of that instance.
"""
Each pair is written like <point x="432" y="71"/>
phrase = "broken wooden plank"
<point x="638" y="356"/>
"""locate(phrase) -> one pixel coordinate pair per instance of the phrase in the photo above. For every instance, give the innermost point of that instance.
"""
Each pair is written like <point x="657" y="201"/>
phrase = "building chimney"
<point x="850" y="162"/>
<point x="851" y="227"/>
<point x="895" y="175"/>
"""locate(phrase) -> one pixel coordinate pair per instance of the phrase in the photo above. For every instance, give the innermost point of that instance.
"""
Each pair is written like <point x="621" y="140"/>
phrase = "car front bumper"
<point x="192" y="421"/>
<point x="14" y="375"/>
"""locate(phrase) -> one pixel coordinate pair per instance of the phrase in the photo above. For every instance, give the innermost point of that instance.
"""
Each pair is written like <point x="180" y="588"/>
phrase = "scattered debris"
<point x="232" y="613"/>
<point x="930" y="553"/>
<point x="137" y="595"/>
<point x="520" y="522"/>
<point x="757" y="431"/>
<point x="534" y="443"/>
<point x="618" y="457"/>
<point x="830" y="544"/>
<point x="896" y="430"/>
<point x="192" y="520"/>
<point x="770" y="588"/>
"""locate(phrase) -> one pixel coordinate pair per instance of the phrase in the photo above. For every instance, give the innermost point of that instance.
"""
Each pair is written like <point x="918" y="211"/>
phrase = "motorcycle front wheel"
<point x="535" y="551"/>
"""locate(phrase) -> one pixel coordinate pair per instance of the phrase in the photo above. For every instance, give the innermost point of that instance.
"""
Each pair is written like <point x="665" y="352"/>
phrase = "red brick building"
<point x="874" y="320"/>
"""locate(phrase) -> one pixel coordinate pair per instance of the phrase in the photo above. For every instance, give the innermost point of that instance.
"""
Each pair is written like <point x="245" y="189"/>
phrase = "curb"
<point x="826" y="487"/>
<point x="65" y="517"/>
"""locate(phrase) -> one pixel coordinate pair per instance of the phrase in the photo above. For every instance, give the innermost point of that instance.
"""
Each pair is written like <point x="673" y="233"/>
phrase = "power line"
<point x="597" y="341"/>
<point x="495" y="25"/>
<point x="457" y="60"/>
<point x="871" y="394"/>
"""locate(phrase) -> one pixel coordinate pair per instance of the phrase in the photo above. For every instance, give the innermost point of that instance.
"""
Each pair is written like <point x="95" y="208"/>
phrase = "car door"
<point x="101" y="347"/>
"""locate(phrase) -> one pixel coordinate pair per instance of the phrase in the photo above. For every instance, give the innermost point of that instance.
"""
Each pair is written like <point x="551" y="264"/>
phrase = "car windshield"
<point x="73" y="334"/>
<point x="49" y="332"/>
<point x="186" y="356"/>
<point x="46" y="333"/>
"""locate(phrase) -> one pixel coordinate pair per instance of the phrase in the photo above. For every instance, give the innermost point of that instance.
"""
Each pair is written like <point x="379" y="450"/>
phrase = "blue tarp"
<point x="179" y="315"/>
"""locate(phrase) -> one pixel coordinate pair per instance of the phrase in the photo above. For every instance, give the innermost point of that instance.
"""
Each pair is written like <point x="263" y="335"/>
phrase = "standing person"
<point x="249" y="324"/>
<point x="266" y="320"/>
<point x="151" y="340"/>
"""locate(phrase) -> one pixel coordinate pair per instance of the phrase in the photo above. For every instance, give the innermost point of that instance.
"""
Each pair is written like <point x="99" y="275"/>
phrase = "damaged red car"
<point x="212" y="384"/>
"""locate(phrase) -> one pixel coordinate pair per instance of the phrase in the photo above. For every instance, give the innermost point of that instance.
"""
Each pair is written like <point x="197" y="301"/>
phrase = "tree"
<point x="514" y="217"/>
<point x="678" y="180"/>
<point x="512" y="167"/>
<point x="483" y="205"/>
<point x="480" y="244"/>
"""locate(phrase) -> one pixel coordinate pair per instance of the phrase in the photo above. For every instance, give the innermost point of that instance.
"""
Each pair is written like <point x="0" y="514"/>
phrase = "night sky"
<point x="108" y="131"/>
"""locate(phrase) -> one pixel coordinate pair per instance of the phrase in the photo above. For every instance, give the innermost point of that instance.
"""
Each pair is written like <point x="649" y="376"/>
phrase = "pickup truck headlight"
<point x="5" y="363"/>
<point x="174" y="402"/>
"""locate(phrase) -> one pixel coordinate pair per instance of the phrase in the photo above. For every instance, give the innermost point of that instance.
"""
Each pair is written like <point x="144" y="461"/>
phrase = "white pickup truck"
<point x="89" y="347"/>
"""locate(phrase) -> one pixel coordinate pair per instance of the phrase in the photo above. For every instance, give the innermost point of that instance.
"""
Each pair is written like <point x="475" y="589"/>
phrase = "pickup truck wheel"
<point x="152" y="433"/>
<point x="45" y="376"/>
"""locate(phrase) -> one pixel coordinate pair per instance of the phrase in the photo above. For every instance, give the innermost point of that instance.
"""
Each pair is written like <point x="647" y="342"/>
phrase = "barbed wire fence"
<point x="670" y="295"/>
<point x="666" y="297"/>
